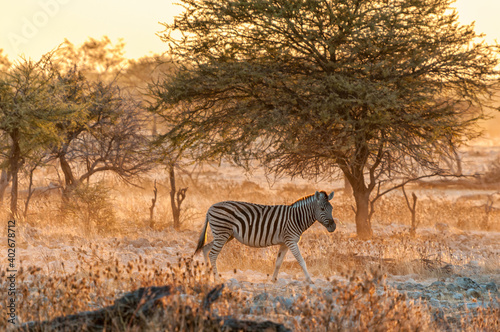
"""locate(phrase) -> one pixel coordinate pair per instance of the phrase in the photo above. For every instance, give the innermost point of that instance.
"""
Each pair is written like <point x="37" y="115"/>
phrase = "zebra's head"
<point x="324" y="210"/>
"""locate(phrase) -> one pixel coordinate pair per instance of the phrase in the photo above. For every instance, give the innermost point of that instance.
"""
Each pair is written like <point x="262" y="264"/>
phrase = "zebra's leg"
<point x="294" y="248"/>
<point x="279" y="260"/>
<point x="206" y="250"/>
<point x="217" y="245"/>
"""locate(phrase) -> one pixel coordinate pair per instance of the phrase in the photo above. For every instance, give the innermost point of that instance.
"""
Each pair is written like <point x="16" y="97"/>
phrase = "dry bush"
<point x="90" y="206"/>
<point x="356" y="305"/>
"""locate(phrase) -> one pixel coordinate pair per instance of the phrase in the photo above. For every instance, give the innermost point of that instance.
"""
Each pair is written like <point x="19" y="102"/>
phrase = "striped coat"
<point x="261" y="226"/>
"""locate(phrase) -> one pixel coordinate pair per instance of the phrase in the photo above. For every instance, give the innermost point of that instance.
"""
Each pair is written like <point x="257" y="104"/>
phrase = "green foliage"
<point x="376" y="89"/>
<point x="31" y="106"/>
<point x="30" y="102"/>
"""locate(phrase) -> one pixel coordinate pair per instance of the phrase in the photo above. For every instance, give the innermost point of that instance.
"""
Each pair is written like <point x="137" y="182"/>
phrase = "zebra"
<point x="261" y="226"/>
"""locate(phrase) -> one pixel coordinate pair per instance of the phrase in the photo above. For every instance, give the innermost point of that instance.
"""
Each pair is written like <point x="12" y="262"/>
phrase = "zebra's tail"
<point x="203" y="236"/>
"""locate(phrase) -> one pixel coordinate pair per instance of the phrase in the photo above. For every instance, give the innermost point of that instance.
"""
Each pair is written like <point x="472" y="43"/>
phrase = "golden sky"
<point x="34" y="27"/>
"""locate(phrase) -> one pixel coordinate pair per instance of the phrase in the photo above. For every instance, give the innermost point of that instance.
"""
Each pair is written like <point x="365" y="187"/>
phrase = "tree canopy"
<point x="375" y="89"/>
<point x="30" y="107"/>
<point x="59" y="108"/>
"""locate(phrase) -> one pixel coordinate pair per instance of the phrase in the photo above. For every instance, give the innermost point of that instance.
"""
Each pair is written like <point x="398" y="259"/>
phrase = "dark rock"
<point x="437" y="284"/>
<point x="473" y="293"/>
<point x="491" y="287"/>
<point x="466" y="283"/>
<point x="434" y="302"/>
<point x="413" y="286"/>
<point x="261" y="297"/>
<point x="418" y="295"/>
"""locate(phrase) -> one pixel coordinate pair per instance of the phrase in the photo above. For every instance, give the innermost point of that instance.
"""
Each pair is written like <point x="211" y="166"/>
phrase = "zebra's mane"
<point x="302" y="201"/>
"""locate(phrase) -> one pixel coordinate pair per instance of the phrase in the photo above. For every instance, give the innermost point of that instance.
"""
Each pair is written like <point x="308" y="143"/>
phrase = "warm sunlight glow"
<point x="485" y="15"/>
<point x="34" y="27"/>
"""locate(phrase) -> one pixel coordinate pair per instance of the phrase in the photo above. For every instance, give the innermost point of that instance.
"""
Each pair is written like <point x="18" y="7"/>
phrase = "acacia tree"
<point x="110" y="137"/>
<point x="374" y="89"/>
<point x="30" y="107"/>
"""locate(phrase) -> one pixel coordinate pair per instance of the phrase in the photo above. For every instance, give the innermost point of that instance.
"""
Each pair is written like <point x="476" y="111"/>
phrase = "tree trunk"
<point x="361" y="193"/>
<point x="176" y="198"/>
<point x="363" y="225"/>
<point x="4" y="183"/>
<point x="175" y="209"/>
<point x="30" y="193"/>
<point x="413" y="211"/>
<point x="15" y="164"/>
<point x="347" y="187"/>
<point x="152" y="208"/>
<point x="69" y="178"/>
<point x="459" y="162"/>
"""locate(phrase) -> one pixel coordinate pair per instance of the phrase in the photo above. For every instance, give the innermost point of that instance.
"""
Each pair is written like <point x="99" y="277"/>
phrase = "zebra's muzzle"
<point x="331" y="226"/>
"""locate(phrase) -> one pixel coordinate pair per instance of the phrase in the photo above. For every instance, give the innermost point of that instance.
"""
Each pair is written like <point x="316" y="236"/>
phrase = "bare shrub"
<point x="91" y="207"/>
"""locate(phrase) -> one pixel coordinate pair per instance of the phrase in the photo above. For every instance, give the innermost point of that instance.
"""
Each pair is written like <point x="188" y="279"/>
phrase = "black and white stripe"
<point x="265" y="225"/>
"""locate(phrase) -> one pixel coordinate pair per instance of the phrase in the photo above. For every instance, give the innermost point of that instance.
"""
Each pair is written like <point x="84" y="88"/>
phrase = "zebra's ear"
<point x="331" y="195"/>
<point x="317" y="195"/>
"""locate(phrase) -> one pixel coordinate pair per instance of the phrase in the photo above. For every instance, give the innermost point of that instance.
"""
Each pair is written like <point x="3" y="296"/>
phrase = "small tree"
<point x="109" y="137"/>
<point x="171" y="155"/>
<point x="374" y="89"/>
<point x="30" y="106"/>
<point x="4" y="173"/>
<point x="90" y="205"/>
<point x="177" y="197"/>
<point x="413" y="210"/>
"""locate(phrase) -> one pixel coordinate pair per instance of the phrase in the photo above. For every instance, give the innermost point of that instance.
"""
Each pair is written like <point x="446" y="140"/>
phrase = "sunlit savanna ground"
<point x="70" y="265"/>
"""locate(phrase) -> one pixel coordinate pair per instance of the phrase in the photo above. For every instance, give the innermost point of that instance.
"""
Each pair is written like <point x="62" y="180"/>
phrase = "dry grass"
<point x="75" y="267"/>
<point x="356" y="304"/>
